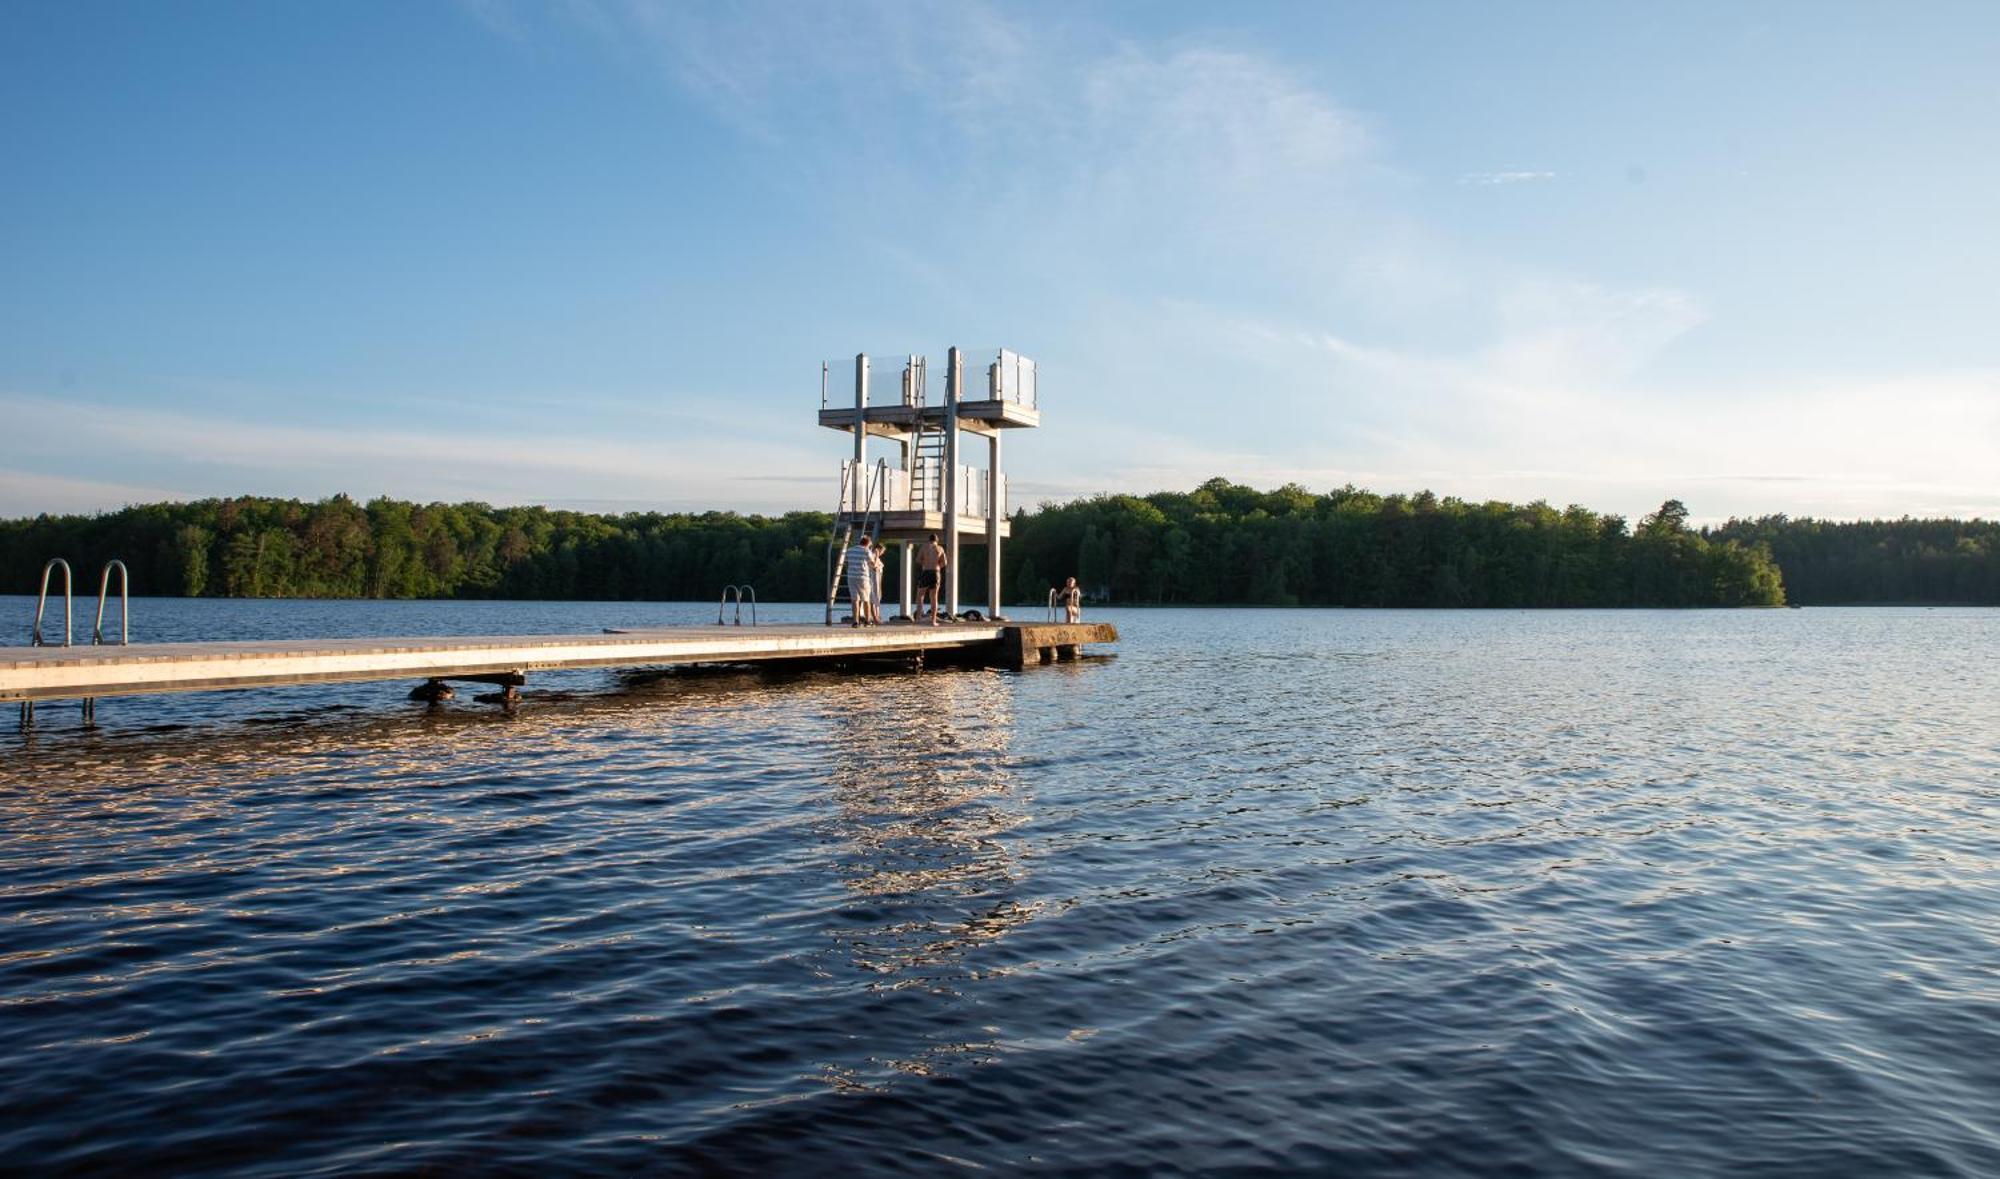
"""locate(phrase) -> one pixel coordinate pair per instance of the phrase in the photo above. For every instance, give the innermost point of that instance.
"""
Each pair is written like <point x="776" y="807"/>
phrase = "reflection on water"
<point x="922" y="801"/>
<point x="1288" y="891"/>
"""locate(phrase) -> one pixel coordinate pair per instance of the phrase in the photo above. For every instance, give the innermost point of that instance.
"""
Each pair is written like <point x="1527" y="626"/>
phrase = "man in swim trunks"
<point x="931" y="560"/>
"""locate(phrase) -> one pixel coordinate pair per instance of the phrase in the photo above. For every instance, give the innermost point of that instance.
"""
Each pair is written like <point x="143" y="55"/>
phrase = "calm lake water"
<point x="1337" y="892"/>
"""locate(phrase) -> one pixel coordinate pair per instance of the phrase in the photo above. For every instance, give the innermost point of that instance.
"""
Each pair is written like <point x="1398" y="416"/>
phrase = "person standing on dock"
<point x="876" y="554"/>
<point x="861" y="579"/>
<point x="931" y="560"/>
<point x="1070" y="598"/>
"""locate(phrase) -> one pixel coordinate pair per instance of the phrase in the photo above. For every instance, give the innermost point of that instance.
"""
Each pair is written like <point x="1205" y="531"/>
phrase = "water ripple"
<point x="1290" y="891"/>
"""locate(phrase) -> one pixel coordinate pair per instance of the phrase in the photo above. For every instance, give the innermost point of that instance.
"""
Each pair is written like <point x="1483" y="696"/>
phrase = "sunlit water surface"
<point x="1367" y="893"/>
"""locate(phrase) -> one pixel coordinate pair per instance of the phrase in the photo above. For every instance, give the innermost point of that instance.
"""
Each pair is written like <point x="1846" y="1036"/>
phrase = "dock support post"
<point x="954" y="388"/>
<point x="908" y="549"/>
<point x="1013" y="648"/>
<point x="432" y="692"/>
<point x="993" y="525"/>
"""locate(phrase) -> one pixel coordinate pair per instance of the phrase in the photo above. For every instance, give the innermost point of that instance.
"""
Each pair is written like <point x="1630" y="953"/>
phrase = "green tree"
<point x="190" y="559"/>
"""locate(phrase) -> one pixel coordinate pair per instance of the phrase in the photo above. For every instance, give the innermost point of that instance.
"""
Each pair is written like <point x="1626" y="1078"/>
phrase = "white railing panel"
<point x="995" y="374"/>
<point x="903" y="491"/>
<point x="897" y="496"/>
<point x="892" y="380"/>
<point x="1014" y="379"/>
<point x="972" y="492"/>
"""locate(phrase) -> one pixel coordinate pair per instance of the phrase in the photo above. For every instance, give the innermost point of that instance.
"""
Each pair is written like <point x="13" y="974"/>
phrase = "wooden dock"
<point x="52" y="673"/>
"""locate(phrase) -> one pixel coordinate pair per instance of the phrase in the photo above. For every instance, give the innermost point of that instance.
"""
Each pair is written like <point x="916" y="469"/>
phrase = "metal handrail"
<point x="43" y="603"/>
<point x="835" y="542"/>
<point x="124" y="604"/>
<point x="738" y="592"/>
<point x="876" y="497"/>
<point x="864" y="518"/>
<point x="1052" y="603"/>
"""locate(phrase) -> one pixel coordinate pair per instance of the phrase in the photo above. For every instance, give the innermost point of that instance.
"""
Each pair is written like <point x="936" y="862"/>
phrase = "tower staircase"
<point x="853" y="519"/>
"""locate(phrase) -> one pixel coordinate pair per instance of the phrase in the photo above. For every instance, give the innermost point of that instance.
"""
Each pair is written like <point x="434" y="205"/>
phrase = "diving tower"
<point x="928" y="488"/>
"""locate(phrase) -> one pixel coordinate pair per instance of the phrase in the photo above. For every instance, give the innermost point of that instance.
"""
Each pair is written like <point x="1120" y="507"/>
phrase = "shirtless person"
<point x="931" y="560"/>
<point x="1070" y="598"/>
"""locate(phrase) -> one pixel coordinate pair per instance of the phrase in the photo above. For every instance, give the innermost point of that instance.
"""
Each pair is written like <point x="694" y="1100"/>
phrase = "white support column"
<point x="993" y="508"/>
<point x="954" y="386"/>
<point x="909" y="551"/>
<point x="860" y="506"/>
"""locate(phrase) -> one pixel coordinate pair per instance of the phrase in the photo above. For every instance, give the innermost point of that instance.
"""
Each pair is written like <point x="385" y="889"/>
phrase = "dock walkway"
<point x="54" y="673"/>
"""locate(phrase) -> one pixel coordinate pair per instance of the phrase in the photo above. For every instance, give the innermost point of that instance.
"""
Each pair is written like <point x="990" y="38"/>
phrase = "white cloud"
<point x="1491" y="178"/>
<point x="1571" y="423"/>
<point x="191" y="455"/>
<point x="1560" y="333"/>
<point x="27" y="493"/>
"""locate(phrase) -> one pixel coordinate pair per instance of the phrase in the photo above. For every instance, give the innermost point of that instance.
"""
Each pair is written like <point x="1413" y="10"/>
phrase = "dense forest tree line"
<point x="1219" y="544"/>
<point x="279" y="548"/>
<point x="1827" y="563"/>
<point x="1226" y="543"/>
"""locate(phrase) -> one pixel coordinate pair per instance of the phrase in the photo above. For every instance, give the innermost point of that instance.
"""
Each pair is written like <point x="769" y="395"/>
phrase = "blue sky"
<point x="592" y="253"/>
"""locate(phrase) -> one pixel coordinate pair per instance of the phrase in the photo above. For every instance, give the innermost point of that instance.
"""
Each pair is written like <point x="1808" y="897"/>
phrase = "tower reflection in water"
<point x="924" y="801"/>
<point x="887" y="800"/>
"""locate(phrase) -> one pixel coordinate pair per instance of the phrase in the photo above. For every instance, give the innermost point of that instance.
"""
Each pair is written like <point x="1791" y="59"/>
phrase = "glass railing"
<point x="892" y="380"/>
<point x="892" y="489"/>
<point x="1008" y="376"/>
<point x="991" y="374"/>
<point x="973" y="498"/>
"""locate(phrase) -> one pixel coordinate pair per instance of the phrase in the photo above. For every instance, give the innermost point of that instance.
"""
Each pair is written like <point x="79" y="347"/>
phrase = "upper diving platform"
<point x="892" y="397"/>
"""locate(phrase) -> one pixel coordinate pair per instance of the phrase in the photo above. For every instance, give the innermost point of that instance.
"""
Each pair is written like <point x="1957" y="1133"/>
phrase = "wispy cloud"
<point x="29" y="493"/>
<point x="1489" y="178"/>
<point x="1569" y="397"/>
<point x="498" y="17"/>
<point x="194" y="454"/>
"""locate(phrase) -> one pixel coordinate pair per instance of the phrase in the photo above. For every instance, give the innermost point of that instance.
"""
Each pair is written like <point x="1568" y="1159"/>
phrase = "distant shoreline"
<point x="1221" y="545"/>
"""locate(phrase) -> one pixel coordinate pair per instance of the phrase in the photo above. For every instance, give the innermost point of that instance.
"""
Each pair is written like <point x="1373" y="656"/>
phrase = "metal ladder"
<point x="927" y="471"/>
<point x="124" y="620"/>
<point x="37" y="639"/>
<point x="741" y="594"/>
<point x="874" y="494"/>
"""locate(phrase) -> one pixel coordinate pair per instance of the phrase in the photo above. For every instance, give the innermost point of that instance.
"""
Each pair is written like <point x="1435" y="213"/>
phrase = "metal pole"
<point x="993" y="524"/>
<point x="908" y="551"/>
<point x="954" y="387"/>
<point x="42" y="604"/>
<point x="124" y="604"/>
<point x="860" y="431"/>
